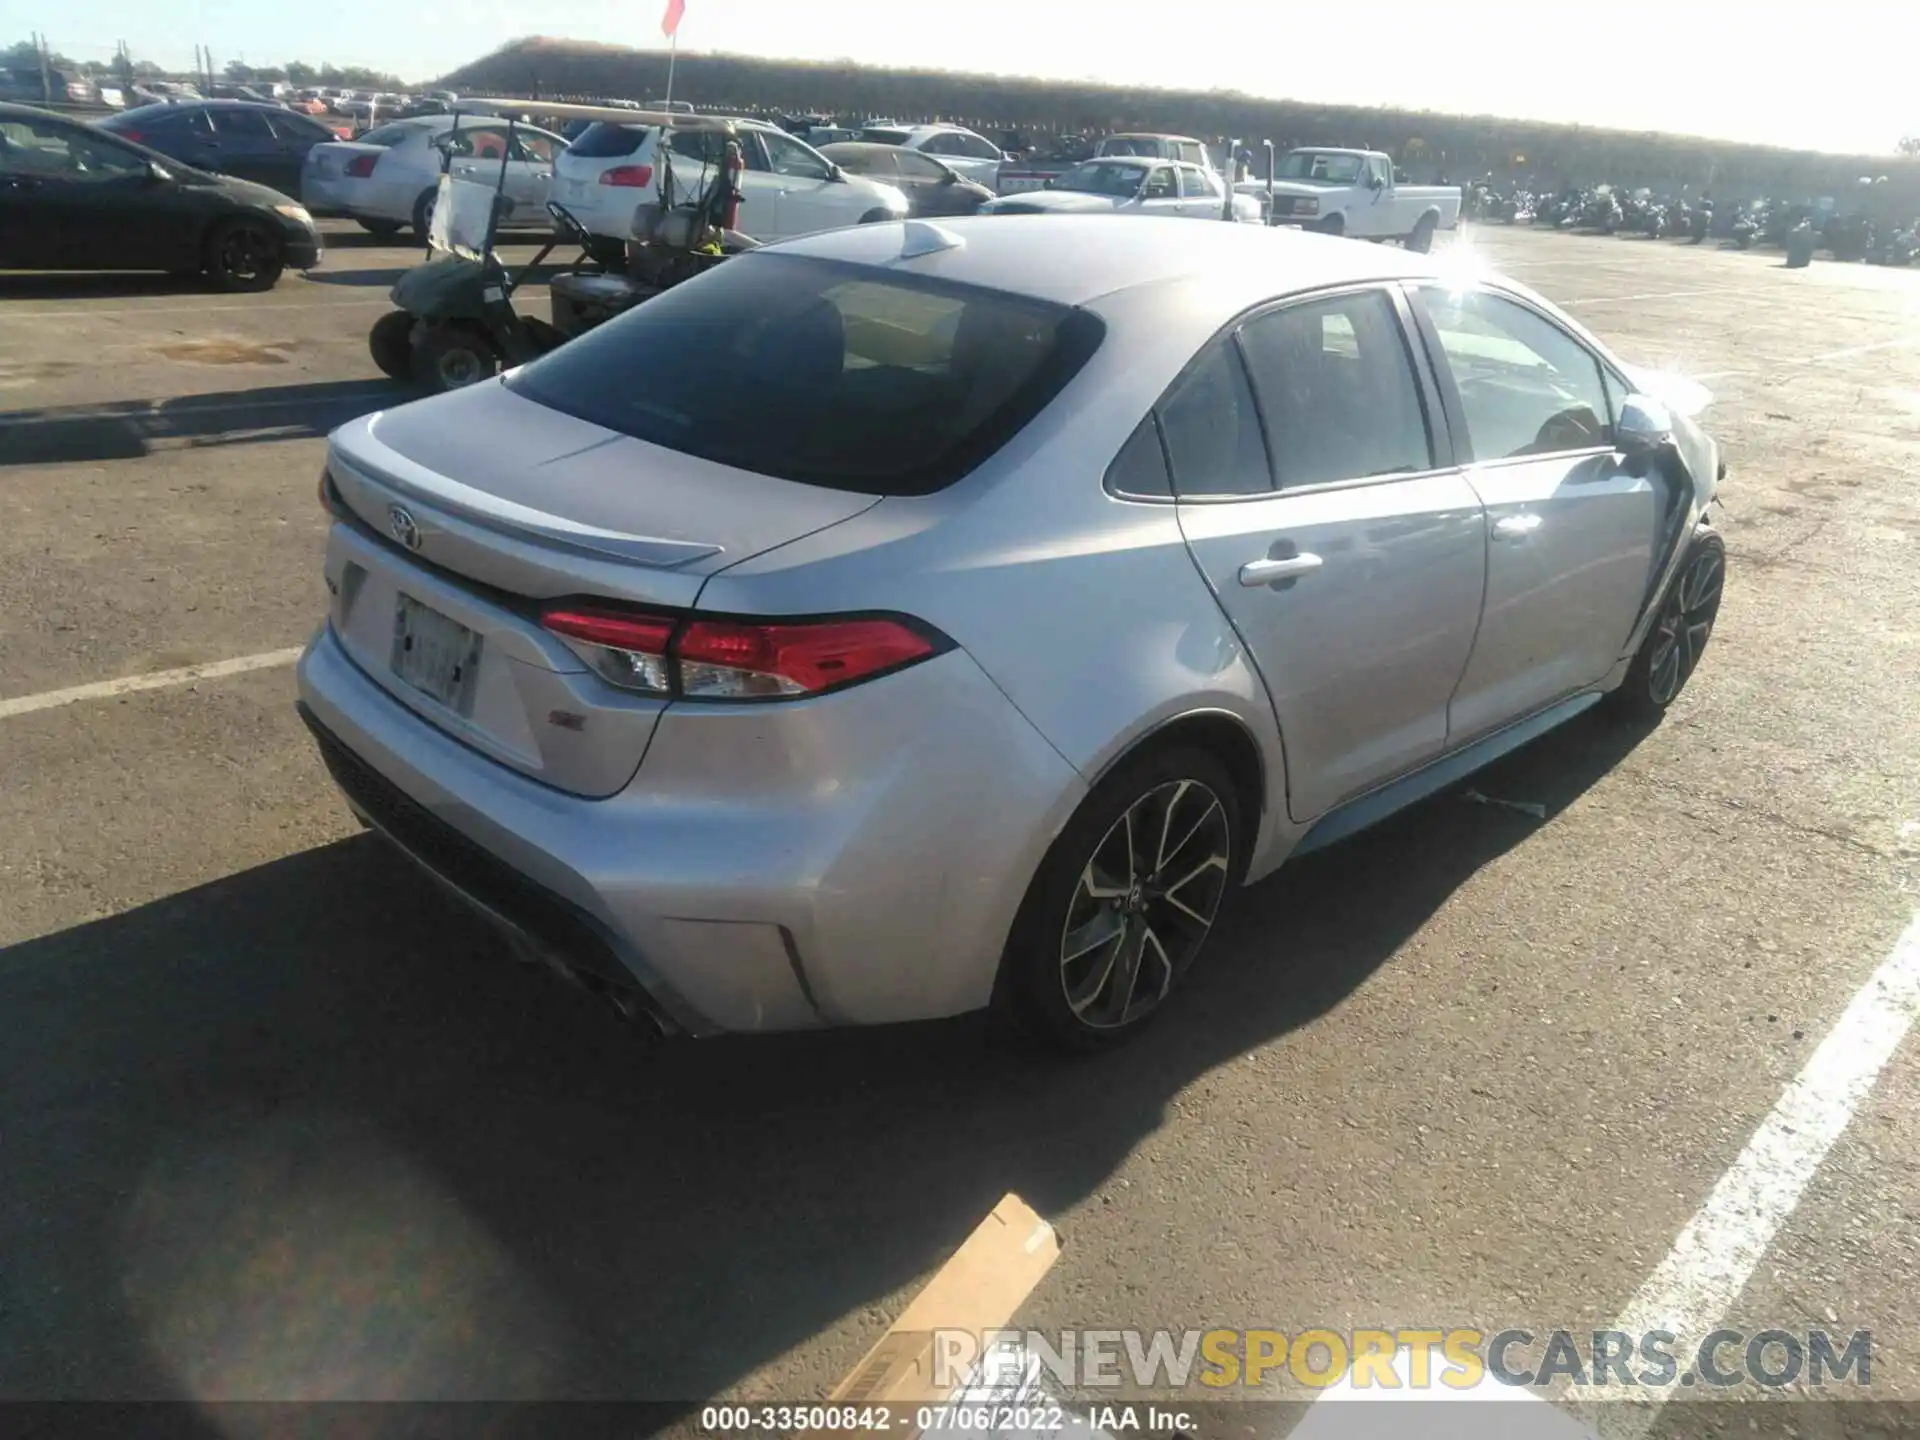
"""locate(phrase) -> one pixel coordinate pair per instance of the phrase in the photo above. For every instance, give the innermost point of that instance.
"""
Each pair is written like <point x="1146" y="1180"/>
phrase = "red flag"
<point x="670" y="22"/>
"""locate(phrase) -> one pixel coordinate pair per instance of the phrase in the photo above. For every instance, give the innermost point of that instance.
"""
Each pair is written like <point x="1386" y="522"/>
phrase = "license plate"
<point x="436" y="656"/>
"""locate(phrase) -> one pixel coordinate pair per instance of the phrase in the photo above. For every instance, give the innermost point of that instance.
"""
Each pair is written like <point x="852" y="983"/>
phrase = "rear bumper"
<point x="854" y="859"/>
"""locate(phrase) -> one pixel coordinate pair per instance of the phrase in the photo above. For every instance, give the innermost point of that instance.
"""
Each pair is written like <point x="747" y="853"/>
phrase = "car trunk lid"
<point x="476" y="509"/>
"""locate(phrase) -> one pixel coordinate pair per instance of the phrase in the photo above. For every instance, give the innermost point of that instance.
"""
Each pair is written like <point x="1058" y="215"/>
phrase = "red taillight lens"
<point x="361" y="166"/>
<point x="726" y="659"/>
<point x="735" y="659"/>
<point x="134" y="135"/>
<point x="637" y="175"/>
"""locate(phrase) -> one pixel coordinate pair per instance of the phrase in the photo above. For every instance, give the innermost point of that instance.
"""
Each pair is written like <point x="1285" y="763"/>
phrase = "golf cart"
<point x="455" y="321"/>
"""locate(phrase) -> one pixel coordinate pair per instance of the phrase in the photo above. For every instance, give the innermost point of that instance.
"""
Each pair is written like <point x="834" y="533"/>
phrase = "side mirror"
<point x="1644" y="428"/>
<point x="949" y="177"/>
<point x="1010" y="155"/>
<point x="836" y="174"/>
<point x="1375" y="182"/>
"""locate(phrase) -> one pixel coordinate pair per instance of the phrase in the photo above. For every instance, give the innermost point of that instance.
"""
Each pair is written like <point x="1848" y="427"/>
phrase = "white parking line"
<point x="1651" y="295"/>
<point x="158" y="680"/>
<point x="1716" y="1254"/>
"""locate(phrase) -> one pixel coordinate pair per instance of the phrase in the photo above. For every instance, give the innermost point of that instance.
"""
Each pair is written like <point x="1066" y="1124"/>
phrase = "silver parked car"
<point x="914" y="618"/>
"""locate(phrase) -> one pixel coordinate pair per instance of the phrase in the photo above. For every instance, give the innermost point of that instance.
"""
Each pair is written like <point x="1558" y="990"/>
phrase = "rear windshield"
<point x="829" y="374"/>
<point x="885" y="135"/>
<point x="607" y="142"/>
<point x="388" y="135"/>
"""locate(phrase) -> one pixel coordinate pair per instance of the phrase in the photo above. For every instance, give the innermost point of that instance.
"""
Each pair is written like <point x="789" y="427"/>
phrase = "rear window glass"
<point x="608" y="142"/>
<point x="388" y="135"/>
<point x="829" y="374"/>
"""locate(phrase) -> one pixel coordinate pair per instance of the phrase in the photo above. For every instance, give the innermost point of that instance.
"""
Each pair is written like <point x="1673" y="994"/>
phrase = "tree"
<point x="300" y="73"/>
<point x="238" y="71"/>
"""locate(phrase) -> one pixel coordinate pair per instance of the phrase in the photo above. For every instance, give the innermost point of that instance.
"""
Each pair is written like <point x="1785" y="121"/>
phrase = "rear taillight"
<point x="636" y="175"/>
<point x="134" y="135"/>
<point x="702" y="659"/>
<point x="361" y="166"/>
<point x="628" y="649"/>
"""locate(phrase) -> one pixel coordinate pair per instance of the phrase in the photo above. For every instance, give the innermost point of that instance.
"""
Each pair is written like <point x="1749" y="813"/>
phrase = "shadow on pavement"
<point x="95" y="285"/>
<point x="125" y="430"/>
<point x="307" y="1131"/>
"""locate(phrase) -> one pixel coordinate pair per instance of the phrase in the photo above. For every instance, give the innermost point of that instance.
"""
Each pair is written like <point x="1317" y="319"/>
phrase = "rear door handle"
<point x="1256" y="573"/>
<point x="1515" y="527"/>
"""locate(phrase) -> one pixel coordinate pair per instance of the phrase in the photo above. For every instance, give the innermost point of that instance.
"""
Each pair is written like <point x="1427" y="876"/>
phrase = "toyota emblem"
<point x="405" y="529"/>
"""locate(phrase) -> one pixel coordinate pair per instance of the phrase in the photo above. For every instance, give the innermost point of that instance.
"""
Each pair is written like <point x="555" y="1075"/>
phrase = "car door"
<point x="1573" y="529"/>
<point x="530" y="173"/>
<point x="1201" y="197"/>
<point x="90" y="203"/>
<point x="294" y="135"/>
<point x="805" y="195"/>
<point x="1343" y="544"/>
<point x="244" y="146"/>
<point x="1160" y="192"/>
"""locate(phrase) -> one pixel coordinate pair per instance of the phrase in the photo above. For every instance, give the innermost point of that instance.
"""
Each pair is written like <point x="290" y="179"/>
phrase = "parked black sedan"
<point x="930" y="187"/>
<point x="73" y="197"/>
<point x="266" y="144"/>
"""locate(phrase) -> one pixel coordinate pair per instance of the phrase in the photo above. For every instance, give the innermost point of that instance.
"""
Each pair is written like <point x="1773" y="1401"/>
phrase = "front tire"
<point x="452" y="357"/>
<point x="244" y="255"/>
<point x="1333" y="225"/>
<point x="1671" y="651"/>
<point x="1123" y="903"/>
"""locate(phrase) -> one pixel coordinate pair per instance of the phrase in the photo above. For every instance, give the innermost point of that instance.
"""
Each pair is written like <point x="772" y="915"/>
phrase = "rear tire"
<point x="1123" y="903"/>
<point x="1671" y="651"/>
<point x="390" y="342"/>
<point x="385" y="229"/>
<point x="423" y="213"/>
<point x="1421" y="240"/>
<point x="453" y="356"/>
<point x="244" y="256"/>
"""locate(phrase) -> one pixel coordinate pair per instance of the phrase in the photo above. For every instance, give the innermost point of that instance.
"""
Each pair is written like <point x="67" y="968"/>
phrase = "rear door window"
<point x="240" y="124"/>
<point x="1337" y="390"/>
<point x="853" y="377"/>
<point x="1213" y="431"/>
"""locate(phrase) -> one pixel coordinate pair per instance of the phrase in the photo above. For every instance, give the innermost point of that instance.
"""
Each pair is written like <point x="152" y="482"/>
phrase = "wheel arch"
<point x="1226" y="737"/>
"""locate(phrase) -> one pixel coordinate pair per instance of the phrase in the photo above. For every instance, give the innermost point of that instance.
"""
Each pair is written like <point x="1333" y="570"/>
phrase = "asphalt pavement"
<point x="277" y="1121"/>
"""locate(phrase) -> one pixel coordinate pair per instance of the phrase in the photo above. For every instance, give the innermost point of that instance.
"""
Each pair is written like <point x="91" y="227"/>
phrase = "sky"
<point x="1832" y="75"/>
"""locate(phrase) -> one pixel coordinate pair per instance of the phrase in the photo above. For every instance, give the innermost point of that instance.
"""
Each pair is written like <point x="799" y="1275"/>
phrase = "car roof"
<point x="1152" y="135"/>
<point x="1074" y="259"/>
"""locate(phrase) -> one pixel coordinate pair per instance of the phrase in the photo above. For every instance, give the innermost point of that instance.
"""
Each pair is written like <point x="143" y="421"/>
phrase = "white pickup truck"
<point x="1355" y="192"/>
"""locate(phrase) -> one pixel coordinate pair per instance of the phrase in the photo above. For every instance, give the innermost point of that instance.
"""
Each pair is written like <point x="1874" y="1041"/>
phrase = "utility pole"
<point x="46" y="80"/>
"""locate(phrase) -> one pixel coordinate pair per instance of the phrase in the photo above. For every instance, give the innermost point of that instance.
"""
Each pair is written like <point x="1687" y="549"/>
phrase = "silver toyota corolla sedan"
<point x="916" y="618"/>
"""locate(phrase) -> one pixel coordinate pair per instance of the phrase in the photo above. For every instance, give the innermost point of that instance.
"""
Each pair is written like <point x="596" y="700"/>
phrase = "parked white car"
<point x="1355" y="192"/>
<point x="389" y="176"/>
<point x="1131" y="185"/>
<point x="972" y="156"/>
<point x="787" y="189"/>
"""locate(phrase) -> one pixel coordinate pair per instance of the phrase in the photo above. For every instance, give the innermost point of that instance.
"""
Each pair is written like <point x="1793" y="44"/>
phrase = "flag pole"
<point x="673" y="49"/>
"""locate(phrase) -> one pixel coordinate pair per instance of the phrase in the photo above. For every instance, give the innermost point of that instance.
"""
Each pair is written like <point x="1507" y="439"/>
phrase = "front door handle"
<point x="1515" y="527"/>
<point x="1256" y="573"/>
